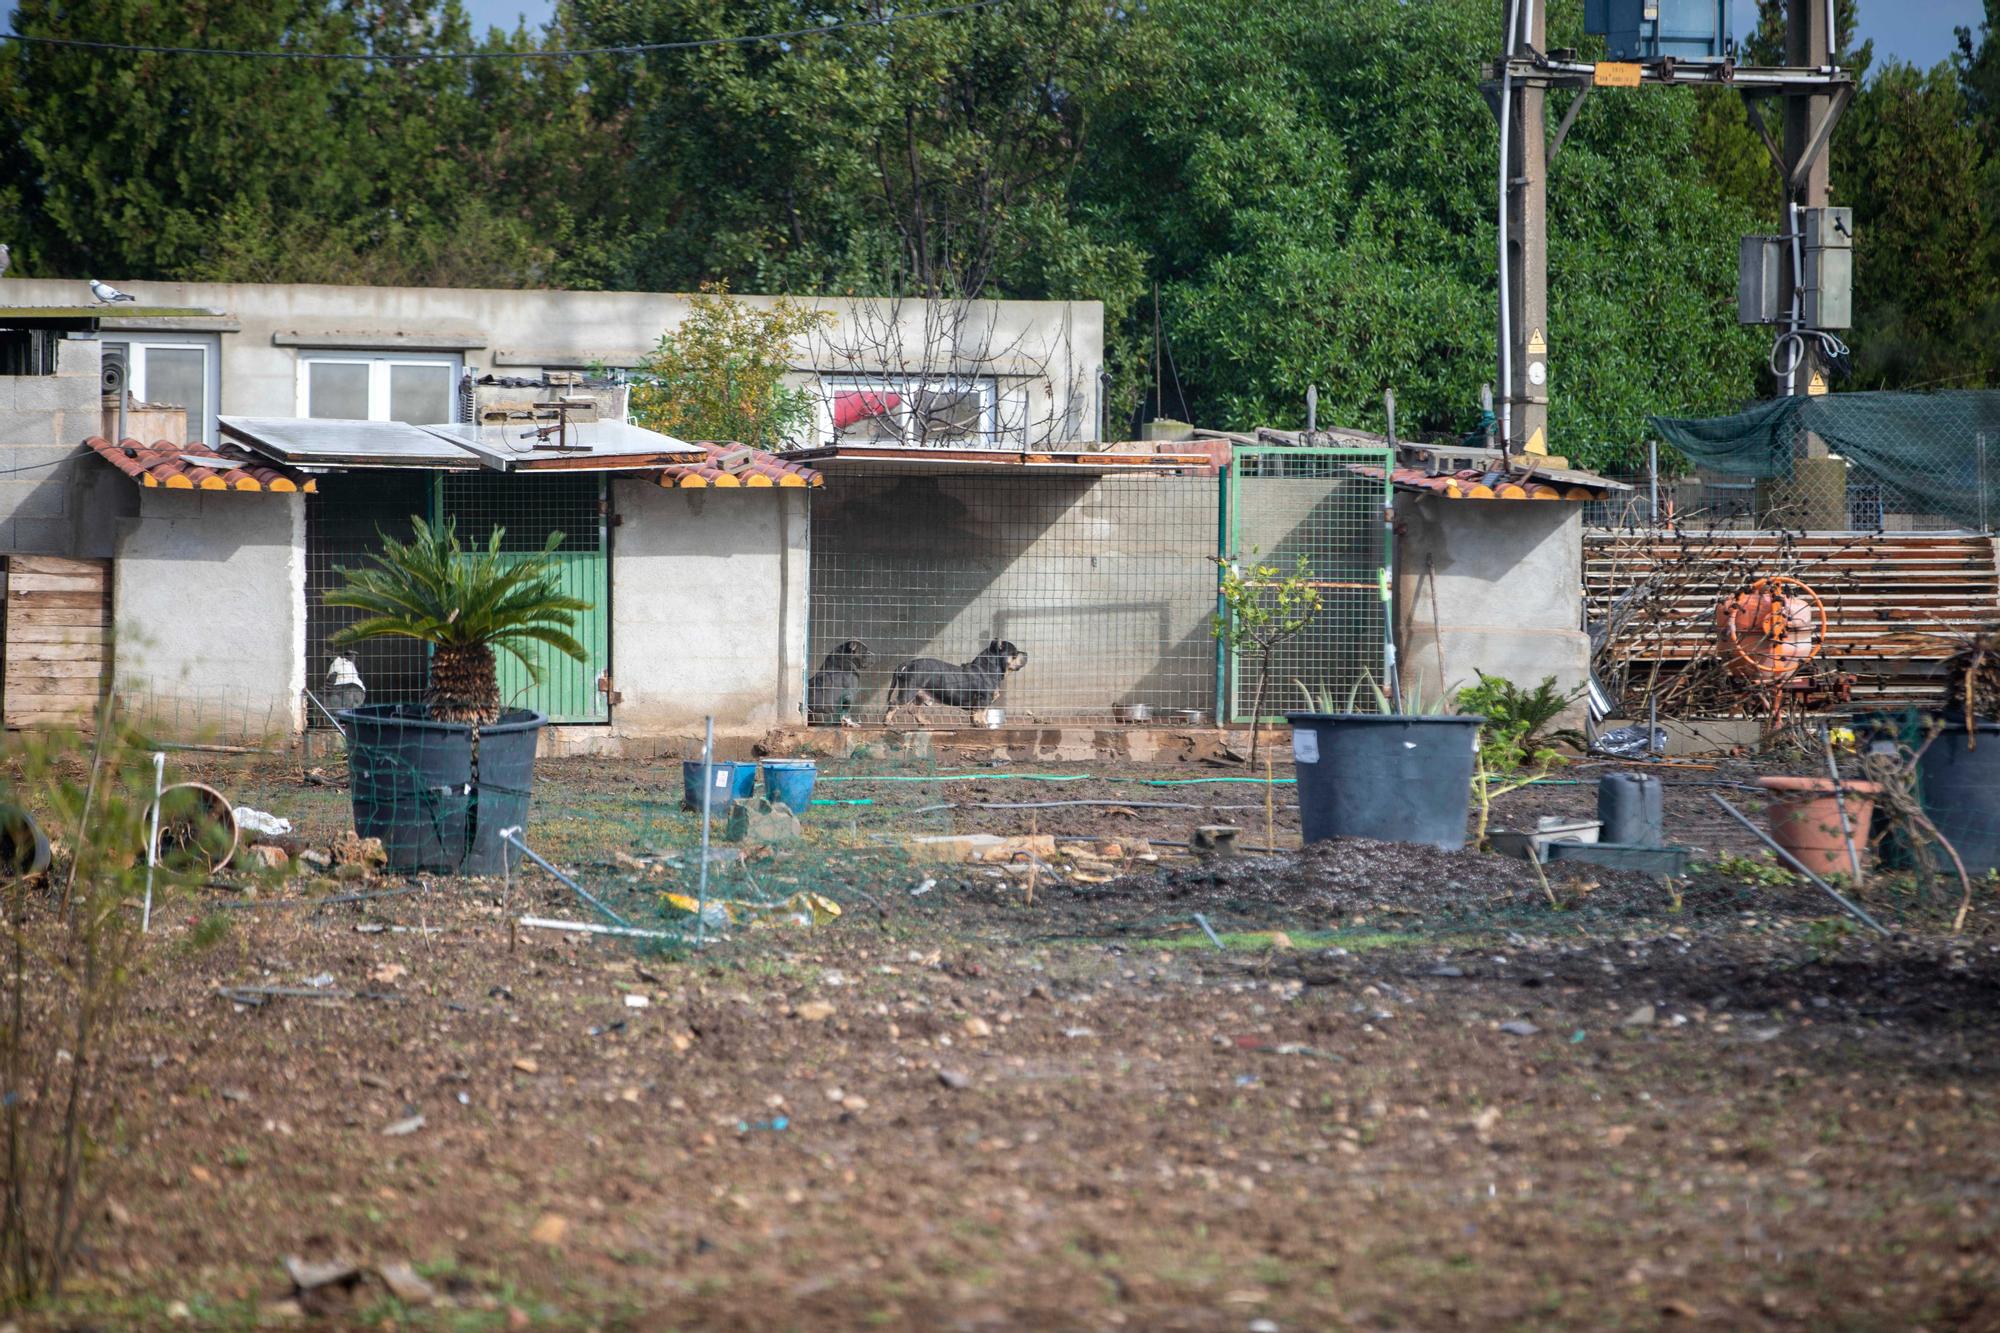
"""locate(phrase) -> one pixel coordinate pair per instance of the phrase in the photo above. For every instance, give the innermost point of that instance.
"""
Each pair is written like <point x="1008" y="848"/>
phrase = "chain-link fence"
<point x="1862" y="462"/>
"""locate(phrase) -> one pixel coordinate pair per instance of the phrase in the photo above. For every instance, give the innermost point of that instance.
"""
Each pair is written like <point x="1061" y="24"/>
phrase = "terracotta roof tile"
<point x="738" y="465"/>
<point x="197" y="467"/>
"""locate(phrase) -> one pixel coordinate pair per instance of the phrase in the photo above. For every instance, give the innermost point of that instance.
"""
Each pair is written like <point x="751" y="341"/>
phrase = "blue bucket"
<point x="732" y="781"/>
<point x="791" y="781"/>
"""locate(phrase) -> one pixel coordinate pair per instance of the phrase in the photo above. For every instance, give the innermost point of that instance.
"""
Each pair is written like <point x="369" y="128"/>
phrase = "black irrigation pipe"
<point x="334" y="901"/>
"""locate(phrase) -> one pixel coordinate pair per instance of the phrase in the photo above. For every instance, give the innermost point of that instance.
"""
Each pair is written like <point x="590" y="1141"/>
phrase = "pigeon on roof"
<point x="106" y="293"/>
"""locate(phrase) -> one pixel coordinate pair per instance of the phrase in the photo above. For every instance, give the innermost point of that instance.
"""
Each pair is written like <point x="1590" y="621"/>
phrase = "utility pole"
<point x="1524" y="354"/>
<point x="1653" y="46"/>
<point x="1808" y="44"/>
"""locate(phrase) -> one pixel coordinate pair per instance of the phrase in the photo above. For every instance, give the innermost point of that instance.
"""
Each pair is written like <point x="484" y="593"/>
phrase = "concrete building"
<point x="701" y="584"/>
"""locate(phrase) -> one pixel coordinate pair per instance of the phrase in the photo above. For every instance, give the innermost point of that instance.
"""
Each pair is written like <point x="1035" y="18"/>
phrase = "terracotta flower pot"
<point x="1805" y="820"/>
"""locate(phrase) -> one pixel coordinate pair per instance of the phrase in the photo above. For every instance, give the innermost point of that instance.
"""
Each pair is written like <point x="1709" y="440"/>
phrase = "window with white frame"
<point x="941" y="412"/>
<point x="420" y="389"/>
<point x="174" y="372"/>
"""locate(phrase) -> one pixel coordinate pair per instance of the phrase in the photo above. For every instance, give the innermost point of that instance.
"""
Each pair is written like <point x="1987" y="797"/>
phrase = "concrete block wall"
<point x="1493" y="586"/>
<point x="208" y="589"/>
<point x="708" y="610"/>
<point x="53" y="500"/>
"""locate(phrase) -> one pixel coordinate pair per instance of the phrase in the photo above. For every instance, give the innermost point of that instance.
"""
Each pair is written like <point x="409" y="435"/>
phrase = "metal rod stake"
<point x="1797" y="865"/>
<point x="707" y="796"/>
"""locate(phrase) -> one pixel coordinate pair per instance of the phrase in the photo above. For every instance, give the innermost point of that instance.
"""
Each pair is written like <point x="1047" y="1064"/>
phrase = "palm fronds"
<point x="464" y="603"/>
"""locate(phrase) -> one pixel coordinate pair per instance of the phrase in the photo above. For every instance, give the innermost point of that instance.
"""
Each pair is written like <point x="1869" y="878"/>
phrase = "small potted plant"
<point x="1372" y="767"/>
<point x="1959" y="772"/>
<point x="438" y="781"/>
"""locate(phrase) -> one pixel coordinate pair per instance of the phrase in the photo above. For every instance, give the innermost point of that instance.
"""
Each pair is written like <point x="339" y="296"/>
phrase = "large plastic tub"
<point x="413" y="789"/>
<point x="1399" y="778"/>
<point x="1960" y="785"/>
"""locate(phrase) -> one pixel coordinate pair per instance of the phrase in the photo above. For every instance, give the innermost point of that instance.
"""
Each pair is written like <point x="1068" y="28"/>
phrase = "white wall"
<point x="1507" y="579"/>
<point x="1050" y="351"/>
<point x="209" y="594"/>
<point x="708" y="608"/>
<point x="57" y="499"/>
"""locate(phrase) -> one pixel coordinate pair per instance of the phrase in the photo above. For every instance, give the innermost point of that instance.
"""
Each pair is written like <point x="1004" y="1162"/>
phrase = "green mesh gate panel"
<point x="345" y="521"/>
<point x="529" y="508"/>
<point x="1284" y="503"/>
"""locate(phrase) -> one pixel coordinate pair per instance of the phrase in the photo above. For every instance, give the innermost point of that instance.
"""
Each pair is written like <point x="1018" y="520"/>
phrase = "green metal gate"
<point x="529" y="508"/>
<point x="1283" y="503"/>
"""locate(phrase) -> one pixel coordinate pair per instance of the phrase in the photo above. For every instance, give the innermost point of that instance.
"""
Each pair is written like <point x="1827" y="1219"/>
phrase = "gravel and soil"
<point x="1407" y="1091"/>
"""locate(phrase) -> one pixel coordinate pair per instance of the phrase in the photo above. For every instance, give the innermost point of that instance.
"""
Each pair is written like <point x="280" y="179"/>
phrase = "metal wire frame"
<point x="1106" y="583"/>
<point x="351" y="512"/>
<point x="1286" y="502"/>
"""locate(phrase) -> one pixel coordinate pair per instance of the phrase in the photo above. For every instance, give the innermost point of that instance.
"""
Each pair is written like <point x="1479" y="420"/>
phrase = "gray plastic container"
<point x="1632" y="808"/>
<point x="1960" y="786"/>
<point x="1395" y="777"/>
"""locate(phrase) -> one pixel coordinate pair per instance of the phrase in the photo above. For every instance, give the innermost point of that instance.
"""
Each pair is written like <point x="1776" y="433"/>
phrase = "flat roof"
<point x="320" y="444"/>
<point x="592" y="446"/>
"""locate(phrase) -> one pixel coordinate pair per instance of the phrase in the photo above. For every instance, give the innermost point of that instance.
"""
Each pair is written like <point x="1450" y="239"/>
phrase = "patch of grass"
<point x="210" y="931"/>
<point x="1259" y="941"/>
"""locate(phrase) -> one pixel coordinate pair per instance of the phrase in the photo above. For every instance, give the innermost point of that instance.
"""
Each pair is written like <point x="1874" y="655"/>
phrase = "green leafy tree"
<point x="719" y="374"/>
<point x="1315" y="182"/>
<point x="464" y="604"/>
<point x="1263" y="608"/>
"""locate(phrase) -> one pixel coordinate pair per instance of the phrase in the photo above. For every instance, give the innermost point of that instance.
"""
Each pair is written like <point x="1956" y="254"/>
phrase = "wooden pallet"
<point x="1893" y="600"/>
<point x="57" y="650"/>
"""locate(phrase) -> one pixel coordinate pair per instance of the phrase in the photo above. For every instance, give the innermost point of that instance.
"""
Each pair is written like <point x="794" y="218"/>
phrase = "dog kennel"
<point x="1100" y="567"/>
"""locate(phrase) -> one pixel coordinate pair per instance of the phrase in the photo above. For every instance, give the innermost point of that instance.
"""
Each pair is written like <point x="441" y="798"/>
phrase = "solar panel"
<point x="523" y="445"/>
<point x="317" y="442"/>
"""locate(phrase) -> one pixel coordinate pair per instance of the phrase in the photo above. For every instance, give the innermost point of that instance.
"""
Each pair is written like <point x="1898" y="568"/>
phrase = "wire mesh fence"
<point x="1288" y="504"/>
<point x="1868" y="462"/>
<point x="1050" y="596"/>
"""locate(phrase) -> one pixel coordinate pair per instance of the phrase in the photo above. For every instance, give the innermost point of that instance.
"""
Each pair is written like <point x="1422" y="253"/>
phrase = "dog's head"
<point x="854" y="652"/>
<point x="1007" y="652"/>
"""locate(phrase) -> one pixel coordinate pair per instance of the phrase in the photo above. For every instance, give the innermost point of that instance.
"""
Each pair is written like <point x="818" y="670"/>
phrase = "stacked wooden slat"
<point x="58" y="645"/>
<point x="1893" y="600"/>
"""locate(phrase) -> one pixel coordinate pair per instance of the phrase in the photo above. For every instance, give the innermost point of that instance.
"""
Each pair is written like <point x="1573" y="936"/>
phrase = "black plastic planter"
<point x="1398" y="778"/>
<point x="412" y="785"/>
<point x="1960" y="786"/>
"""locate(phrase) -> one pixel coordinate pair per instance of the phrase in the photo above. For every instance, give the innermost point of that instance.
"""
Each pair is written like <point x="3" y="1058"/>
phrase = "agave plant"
<point x="465" y="604"/>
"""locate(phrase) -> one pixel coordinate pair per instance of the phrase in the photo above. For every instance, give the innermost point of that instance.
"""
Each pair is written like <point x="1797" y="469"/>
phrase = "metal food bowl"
<point x="1190" y="717"/>
<point x="1131" y="713"/>
<point x="990" y="718"/>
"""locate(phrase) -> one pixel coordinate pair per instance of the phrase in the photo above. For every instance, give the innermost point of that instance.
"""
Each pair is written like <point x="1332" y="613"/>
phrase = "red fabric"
<point x="849" y="408"/>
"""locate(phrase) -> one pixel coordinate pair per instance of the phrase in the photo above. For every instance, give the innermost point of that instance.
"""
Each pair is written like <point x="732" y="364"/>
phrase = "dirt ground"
<point x="1406" y="1091"/>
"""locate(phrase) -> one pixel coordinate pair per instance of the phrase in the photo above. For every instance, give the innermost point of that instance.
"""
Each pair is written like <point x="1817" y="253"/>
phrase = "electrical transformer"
<point x="1653" y="29"/>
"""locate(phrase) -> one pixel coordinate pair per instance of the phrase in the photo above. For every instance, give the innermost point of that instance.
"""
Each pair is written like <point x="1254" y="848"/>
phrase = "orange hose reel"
<point x="1770" y="629"/>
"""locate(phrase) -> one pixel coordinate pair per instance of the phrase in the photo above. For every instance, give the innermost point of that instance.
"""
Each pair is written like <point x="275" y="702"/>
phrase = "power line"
<point x="635" y="48"/>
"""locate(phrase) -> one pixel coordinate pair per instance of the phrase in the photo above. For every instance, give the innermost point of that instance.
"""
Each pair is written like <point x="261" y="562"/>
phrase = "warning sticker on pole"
<point x="1615" y="74"/>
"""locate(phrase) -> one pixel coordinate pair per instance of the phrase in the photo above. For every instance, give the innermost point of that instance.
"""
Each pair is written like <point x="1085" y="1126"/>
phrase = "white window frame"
<point x="907" y="387"/>
<point x="379" y="365"/>
<point x="136" y="347"/>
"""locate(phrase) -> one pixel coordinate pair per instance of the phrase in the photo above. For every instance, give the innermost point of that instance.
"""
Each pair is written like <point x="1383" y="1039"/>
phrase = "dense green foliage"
<point x="1307" y="184"/>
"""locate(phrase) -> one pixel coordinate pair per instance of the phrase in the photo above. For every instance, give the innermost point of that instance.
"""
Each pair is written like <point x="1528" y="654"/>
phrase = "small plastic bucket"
<point x="791" y="781"/>
<point x="732" y="781"/>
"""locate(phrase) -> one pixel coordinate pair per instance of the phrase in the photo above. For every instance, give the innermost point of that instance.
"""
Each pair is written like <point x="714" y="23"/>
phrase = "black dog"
<point x="832" y="690"/>
<point x="925" y="680"/>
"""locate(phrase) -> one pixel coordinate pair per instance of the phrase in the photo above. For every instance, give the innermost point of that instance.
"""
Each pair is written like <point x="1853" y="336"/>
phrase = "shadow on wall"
<point x="1105" y="582"/>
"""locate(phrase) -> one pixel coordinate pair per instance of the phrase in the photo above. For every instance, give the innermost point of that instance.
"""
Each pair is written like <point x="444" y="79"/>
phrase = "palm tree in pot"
<point x="467" y="605"/>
